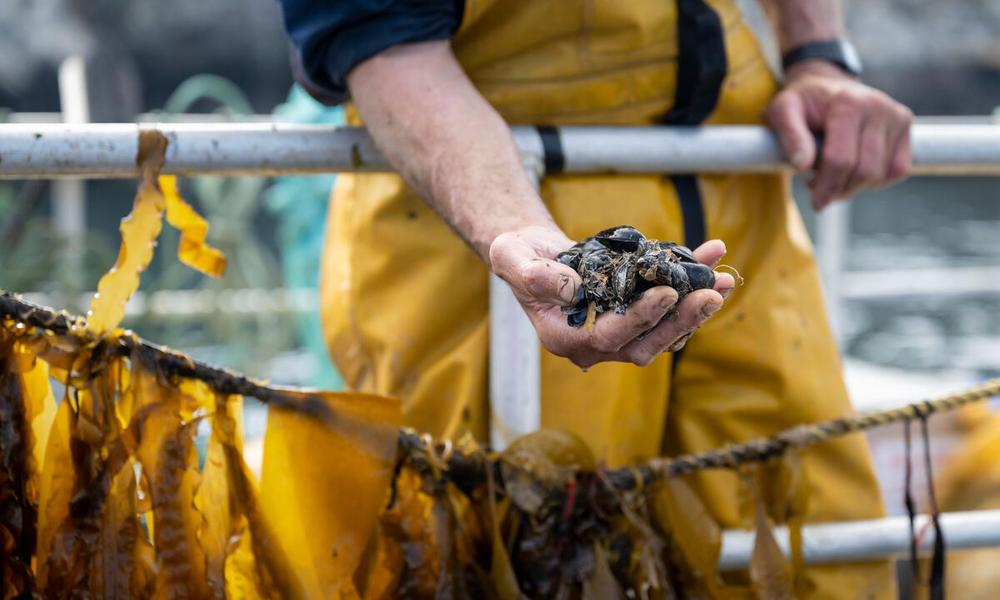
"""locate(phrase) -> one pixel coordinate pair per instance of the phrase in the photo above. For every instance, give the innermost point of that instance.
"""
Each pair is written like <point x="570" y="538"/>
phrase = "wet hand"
<point x="525" y="260"/>
<point x="866" y="133"/>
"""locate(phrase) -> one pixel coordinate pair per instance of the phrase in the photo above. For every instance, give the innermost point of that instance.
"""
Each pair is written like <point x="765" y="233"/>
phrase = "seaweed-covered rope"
<point x="468" y="466"/>
<point x="159" y="358"/>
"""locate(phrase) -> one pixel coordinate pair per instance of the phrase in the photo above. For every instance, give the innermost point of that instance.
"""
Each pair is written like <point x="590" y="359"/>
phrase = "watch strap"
<point x="839" y="52"/>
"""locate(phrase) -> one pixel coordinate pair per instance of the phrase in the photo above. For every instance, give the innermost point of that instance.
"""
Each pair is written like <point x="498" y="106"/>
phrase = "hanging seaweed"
<point x="18" y="502"/>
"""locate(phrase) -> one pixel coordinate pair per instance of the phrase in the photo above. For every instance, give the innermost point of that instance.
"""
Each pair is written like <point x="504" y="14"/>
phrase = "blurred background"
<point x="913" y="272"/>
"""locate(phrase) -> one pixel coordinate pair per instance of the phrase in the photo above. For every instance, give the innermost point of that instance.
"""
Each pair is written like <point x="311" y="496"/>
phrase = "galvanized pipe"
<point x="109" y="150"/>
<point x="69" y="196"/>
<point x="852" y="541"/>
<point x="515" y="358"/>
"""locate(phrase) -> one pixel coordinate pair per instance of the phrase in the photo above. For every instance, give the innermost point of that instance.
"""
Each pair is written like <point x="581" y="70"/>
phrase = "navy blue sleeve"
<point x="330" y="37"/>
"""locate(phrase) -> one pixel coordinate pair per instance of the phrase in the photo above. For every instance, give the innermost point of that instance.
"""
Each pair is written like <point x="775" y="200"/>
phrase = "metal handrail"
<point x="852" y="541"/>
<point x="109" y="150"/>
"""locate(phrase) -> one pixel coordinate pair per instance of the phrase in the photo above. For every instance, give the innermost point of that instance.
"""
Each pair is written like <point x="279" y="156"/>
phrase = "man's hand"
<point x="524" y="259"/>
<point x="866" y="133"/>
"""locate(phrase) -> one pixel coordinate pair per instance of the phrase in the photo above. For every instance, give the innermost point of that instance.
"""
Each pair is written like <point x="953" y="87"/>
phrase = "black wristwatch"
<point x="838" y="52"/>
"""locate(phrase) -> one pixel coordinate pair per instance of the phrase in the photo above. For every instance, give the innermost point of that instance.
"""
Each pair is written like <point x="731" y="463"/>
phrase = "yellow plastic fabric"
<point x="405" y="301"/>
<point x="192" y="251"/>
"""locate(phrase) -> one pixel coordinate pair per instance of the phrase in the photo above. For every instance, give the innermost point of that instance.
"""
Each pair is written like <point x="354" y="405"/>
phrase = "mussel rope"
<point x="464" y="466"/>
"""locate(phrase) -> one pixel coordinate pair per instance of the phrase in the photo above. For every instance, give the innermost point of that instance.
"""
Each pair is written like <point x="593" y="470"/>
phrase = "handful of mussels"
<point x="618" y="264"/>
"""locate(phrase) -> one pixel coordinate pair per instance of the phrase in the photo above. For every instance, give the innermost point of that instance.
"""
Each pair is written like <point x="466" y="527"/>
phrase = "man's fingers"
<point x="883" y="154"/>
<point x="724" y="283"/>
<point x="710" y="253"/>
<point x="787" y="116"/>
<point x="671" y="334"/>
<point x="612" y="331"/>
<point x="873" y="157"/>
<point x="840" y="149"/>
<point x="899" y="146"/>
<point x="541" y="279"/>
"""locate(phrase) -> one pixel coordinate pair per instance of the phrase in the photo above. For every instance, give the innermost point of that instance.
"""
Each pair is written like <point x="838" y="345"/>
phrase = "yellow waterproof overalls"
<point x="405" y="300"/>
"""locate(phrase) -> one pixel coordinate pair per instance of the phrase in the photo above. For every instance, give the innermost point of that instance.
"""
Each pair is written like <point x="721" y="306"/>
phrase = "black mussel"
<point x="597" y="260"/>
<point x="623" y="284"/>
<point x="621" y="239"/>
<point x="648" y="264"/>
<point x="677" y="278"/>
<point x="576" y="315"/>
<point x="659" y="268"/>
<point x="570" y="258"/>
<point x="683" y="253"/>
<point x="700" y="276"/>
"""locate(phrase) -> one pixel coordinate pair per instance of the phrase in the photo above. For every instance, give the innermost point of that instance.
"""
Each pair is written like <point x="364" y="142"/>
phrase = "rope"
<point x="470" y="466"/>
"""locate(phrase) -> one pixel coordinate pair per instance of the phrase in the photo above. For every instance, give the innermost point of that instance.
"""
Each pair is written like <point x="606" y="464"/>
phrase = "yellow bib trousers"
<point x="405" y="301"/>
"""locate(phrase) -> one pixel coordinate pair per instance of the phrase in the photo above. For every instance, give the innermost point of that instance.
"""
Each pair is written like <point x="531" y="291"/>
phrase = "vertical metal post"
<point x="515" y="358"/>
<point x="832" y="236"/>
<point x="69" y="200"/>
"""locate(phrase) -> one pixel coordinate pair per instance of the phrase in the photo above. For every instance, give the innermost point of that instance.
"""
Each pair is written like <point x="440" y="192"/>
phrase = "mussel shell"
<point x="700" y="276"/>
<point x="623" y="279"/>
<point x="570" y="258"/>
<point x="652" y="264"/>
<point x="621" y="239"/>
<point x="597" y="260"/>
<point x="576" y="315"/>
<point x="683" y="253"/>
<point x="677" y="278"/>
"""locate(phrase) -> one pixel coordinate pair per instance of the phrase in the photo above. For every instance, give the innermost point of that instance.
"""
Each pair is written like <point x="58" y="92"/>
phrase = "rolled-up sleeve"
<point x="331" y="37"/>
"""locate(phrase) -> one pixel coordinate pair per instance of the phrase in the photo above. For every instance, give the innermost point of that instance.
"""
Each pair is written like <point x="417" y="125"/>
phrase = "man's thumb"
<point x="544" y="280"/>
<point x="547" y="281"/>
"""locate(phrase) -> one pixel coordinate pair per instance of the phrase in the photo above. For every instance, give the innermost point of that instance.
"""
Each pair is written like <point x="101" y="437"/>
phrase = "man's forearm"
<point x="447" y="141"/>
<point x="797" y="22"/>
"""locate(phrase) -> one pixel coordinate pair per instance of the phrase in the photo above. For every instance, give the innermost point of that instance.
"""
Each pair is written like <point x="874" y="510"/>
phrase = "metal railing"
<point x="53" y="150"/>
<point x="109" y="150"/>
<point x="852" y="541"/>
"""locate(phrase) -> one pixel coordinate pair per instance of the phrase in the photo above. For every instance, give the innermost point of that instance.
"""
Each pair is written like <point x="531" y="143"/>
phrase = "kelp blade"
<point x="324" y="482"/>
<point x="139" y="232"/>
<point x="193" y="251"/>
